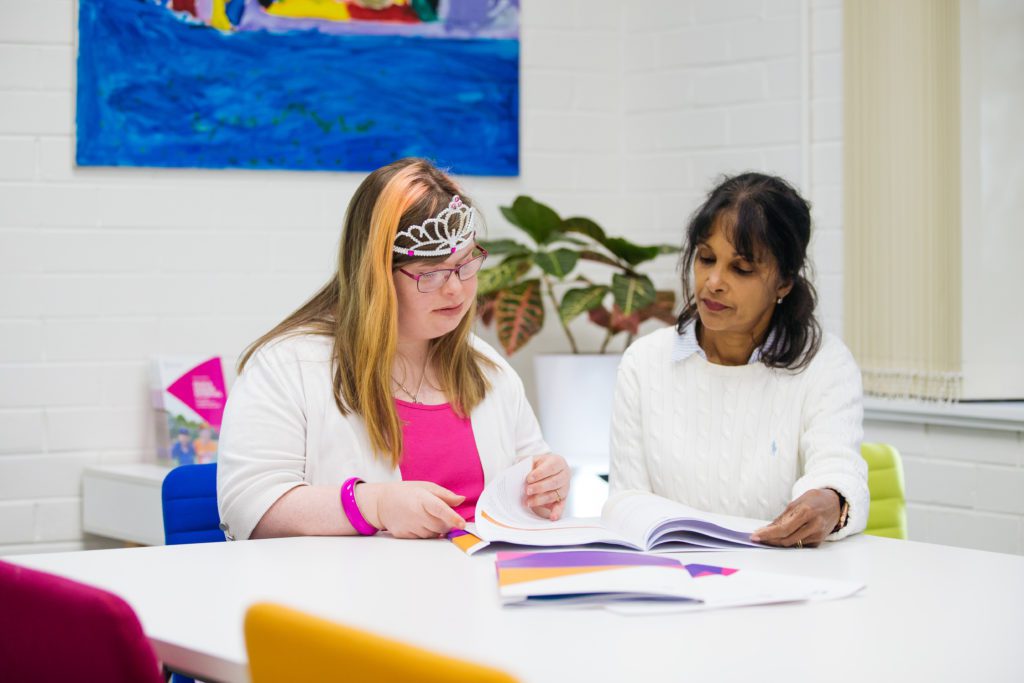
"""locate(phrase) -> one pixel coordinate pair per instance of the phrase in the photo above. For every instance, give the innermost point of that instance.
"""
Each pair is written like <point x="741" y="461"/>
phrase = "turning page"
<point x="502" y="516"/>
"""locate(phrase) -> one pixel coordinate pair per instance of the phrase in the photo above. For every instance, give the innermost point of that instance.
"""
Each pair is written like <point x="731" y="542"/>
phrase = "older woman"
<point x="745" y="407"/>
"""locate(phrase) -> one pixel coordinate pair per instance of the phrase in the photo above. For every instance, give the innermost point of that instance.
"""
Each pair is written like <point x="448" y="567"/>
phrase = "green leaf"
<point x="559" y="262"/>
<point x="578" y="301"/>
<point x="510" y="215"/>
<point x="584" y="226"/>
<point x="628" y="251"/>
<point x="502" y="275"/>
<point x="598" y="257"/>
<point x="632" y="254"/>
<point x="503" y="247"/>
<point x="562" y="237"/>
<point x="538" y="220"/>
<point x="519" y="314"/>
<point x="632" y="293"/>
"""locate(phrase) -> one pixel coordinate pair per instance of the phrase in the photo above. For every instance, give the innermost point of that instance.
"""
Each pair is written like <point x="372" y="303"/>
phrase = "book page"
<point x="745" y="587"/>
<point x="637" y="514"/>
<point x="502" y="516"/>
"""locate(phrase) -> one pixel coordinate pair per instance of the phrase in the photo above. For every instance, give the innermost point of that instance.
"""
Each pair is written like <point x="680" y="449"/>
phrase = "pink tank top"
<point x="439" y="446"/>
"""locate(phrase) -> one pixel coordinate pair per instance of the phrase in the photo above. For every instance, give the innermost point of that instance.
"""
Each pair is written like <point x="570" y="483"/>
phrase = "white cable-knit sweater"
<point x="740" y="440"/>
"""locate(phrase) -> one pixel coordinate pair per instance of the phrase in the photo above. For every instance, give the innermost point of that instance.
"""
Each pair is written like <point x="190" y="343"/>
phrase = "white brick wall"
<point x="716" y="88"/>
<point x="629" y="113"/>
<point x="825" y="173"/>
<point x="100" y="269"/>
<point x="965" y="486"/>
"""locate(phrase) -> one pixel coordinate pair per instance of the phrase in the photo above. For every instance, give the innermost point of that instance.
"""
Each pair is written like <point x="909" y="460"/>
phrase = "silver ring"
<point x="799" y="544"/>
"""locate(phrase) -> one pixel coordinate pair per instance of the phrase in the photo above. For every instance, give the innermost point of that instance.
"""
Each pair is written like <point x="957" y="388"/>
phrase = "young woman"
<point x="745" y="407"/>
<point x="373" y="407"/>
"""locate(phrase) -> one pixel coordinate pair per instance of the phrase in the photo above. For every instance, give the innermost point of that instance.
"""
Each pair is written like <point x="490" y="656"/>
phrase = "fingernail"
<point x="755" y="539"/>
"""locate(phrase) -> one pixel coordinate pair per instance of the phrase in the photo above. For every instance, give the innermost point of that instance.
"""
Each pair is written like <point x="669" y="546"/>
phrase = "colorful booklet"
<point x="632" y="519"/>
<point x="189" y="396"/>
<point x="636" y="583"/>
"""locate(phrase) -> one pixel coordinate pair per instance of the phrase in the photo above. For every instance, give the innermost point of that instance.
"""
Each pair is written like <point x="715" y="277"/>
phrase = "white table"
<point x="929" y="612"/>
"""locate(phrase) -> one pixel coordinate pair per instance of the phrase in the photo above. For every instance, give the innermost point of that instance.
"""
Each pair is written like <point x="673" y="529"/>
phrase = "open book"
<point x="635" y="520"/>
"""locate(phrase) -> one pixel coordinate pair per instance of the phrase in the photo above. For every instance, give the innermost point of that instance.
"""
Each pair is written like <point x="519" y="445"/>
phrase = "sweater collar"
<point x="686" y="345"/>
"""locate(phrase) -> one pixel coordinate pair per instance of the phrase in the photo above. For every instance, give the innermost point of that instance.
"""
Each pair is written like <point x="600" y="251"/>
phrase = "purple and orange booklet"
<point x="638" y="583"/>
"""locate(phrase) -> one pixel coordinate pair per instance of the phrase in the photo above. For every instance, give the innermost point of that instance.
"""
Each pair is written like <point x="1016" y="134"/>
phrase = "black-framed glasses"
<point x="435" y="279"/>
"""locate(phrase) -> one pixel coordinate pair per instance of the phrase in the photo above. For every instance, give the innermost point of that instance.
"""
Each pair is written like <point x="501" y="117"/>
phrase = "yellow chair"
<point x="888" y="515"/>
<point x="287" y="645"/>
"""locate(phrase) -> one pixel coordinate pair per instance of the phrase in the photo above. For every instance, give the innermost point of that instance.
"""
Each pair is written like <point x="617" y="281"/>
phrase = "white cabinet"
<point x="123" y="502"/>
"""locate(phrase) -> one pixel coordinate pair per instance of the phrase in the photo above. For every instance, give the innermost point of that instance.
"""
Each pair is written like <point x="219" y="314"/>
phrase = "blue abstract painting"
<point x="341" y="85"/>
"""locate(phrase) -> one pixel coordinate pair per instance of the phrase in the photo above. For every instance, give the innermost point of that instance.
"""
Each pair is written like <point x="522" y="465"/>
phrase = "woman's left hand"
<point x="805" y="522"/>
<point x="547" y="486"/>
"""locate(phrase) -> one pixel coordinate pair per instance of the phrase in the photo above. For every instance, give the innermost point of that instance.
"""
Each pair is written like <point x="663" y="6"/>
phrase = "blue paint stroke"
<point x="157" y="91"/>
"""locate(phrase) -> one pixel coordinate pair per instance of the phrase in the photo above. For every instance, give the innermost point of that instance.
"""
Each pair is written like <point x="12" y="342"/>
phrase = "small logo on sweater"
<point x="774" y="449"/>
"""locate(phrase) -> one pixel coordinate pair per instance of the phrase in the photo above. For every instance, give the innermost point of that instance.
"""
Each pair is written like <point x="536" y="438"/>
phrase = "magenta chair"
<point x="55" y="629"/>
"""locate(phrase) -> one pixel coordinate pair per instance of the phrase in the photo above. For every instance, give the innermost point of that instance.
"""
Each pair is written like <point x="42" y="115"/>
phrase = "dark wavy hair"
<point x="770" y="217"/>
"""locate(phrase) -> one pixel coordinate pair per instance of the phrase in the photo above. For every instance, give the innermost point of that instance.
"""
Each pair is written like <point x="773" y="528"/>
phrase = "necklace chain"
<point x="413" y="396"/>
<point x="419" y="387"/>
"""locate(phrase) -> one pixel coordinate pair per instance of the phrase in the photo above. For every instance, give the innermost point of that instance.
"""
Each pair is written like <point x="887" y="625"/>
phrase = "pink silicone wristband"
<point x="348" y="505"/>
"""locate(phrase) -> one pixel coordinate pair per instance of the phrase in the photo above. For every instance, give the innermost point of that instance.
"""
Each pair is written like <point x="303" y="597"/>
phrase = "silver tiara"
<point x="445" y="233"/>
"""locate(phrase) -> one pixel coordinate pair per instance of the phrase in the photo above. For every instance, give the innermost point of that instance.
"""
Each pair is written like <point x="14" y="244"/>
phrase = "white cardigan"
<point x="740" y="440"/>
<point x="282" y="429"/>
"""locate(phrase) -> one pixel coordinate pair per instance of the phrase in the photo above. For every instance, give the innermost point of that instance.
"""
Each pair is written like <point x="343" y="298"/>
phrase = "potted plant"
<point x="573" y="389"/>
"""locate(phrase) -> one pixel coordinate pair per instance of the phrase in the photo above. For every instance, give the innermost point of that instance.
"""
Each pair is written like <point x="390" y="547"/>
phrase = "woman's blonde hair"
<point x="358" y="307"/>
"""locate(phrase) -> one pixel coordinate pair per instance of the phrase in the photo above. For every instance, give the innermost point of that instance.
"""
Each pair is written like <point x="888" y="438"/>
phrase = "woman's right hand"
<point x="409" y="509"/>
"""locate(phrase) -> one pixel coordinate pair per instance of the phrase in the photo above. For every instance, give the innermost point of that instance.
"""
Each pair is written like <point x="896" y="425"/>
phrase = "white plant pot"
<point x="574" y="396"/>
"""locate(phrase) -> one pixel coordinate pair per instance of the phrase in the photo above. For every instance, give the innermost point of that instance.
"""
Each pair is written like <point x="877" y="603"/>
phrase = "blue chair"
<point x="189" y="496"/>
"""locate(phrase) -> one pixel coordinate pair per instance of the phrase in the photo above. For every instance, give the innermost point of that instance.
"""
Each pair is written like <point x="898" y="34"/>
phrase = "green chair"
<point x="888" y="515"/>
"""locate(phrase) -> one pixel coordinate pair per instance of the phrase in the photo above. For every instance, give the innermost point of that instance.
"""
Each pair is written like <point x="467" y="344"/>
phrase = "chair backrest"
<point x="888" y="515"/>
<point x="189" y="496"/>
<point x="55" y="629"/>
<point x="287" y="645"/>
